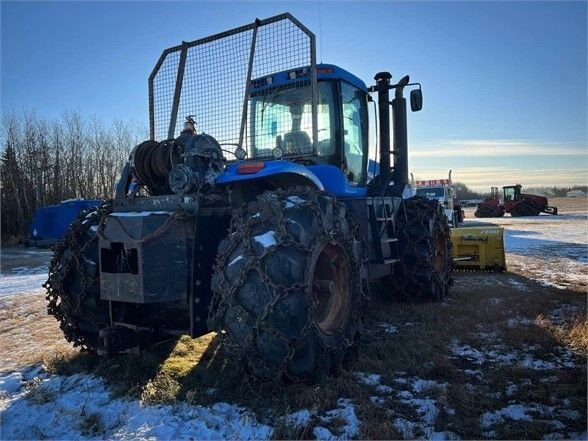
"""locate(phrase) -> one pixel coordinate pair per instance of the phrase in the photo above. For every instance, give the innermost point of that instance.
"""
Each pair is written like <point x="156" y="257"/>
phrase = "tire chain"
<point x="424" y="210"/>
<point x="68" y="309"/>
<point x="225" y="292"/>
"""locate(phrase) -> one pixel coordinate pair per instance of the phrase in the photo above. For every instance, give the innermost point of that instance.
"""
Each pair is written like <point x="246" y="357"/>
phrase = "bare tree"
<point x="43" y="162"/>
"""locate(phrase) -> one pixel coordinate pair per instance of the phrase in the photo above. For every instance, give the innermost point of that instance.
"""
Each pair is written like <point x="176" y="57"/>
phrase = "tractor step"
<point x="382" y="219"/>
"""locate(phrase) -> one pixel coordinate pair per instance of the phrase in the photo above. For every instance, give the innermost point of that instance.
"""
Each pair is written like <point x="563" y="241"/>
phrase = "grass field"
<point x="503" y="357"/>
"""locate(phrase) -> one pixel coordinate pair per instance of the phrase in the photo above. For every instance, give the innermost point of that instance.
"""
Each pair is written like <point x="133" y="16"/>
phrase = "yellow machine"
<point x="479" y="247"/>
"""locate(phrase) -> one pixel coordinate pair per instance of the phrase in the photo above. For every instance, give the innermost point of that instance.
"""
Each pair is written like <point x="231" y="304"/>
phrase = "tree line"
<point x="44" y="162"/>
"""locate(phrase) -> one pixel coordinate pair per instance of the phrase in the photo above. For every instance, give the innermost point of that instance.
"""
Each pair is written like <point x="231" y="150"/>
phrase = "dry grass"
<point x="28" y="323"/>
<point x="573" y="333"/>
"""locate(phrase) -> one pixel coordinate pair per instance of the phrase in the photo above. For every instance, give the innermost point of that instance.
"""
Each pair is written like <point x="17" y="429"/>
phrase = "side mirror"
<point x="416" y="100"/>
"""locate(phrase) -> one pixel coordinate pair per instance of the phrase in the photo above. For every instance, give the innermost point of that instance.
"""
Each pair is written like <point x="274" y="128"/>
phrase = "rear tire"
<point x="425" y="268"/>
<point x="290" y="286"/>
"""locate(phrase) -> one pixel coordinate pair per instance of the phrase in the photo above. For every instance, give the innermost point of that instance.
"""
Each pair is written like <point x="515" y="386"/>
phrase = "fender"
<point x="335" y="181"/>
<point x="270" y="169"/>
<point x="324" y="177"/>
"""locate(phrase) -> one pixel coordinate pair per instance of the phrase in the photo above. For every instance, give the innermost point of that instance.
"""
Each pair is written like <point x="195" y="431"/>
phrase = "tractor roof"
<point x="324" y="72"/>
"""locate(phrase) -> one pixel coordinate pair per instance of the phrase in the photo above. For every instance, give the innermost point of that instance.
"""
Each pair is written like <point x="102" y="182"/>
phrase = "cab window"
<point x="282" y="117"/>
<point x="509" y="194"/>
<point x="354" y="155"/>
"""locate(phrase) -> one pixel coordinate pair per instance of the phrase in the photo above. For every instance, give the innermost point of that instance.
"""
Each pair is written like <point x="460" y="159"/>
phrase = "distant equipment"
<point x="443" y="191"/>
<point x="479" y="247"/>
<point x="514" y="202"/>
<point x="51" y="222"/>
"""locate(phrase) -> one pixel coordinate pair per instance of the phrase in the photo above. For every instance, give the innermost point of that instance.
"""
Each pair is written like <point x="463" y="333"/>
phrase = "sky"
<point x="504" y="83"/>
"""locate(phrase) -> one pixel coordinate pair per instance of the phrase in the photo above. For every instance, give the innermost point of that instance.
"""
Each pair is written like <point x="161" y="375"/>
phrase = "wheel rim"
<point x="440" y="257"/>
<point x="330" y="287"/>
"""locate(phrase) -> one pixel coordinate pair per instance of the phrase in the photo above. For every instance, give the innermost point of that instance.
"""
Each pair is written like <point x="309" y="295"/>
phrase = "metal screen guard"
<point x="212" y="79"/>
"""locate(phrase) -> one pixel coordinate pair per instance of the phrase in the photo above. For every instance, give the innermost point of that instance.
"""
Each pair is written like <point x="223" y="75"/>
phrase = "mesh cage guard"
<point x="205" y="77"/>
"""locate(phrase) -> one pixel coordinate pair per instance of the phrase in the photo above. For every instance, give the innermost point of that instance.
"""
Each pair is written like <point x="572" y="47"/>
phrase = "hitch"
<point x="117" y="339"/>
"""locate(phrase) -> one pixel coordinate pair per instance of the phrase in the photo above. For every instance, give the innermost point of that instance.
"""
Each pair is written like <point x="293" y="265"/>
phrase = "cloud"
<point x="482" y="178"/>
<point x="495" y="148"/>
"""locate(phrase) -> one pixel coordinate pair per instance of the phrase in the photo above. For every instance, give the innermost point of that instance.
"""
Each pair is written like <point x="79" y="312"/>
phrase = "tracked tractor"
<point x="524" y="204"/>
<point x="249" y="211"/>
<point x="514" y="202"/>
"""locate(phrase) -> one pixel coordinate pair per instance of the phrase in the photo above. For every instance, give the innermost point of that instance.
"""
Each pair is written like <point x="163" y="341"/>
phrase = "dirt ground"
<point x="503" y="357"/>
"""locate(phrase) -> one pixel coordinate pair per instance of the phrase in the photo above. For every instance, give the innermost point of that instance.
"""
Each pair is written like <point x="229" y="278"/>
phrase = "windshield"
<point x="283" y="118"/>
<point x="431" y="193"/>
<point x="509" y="193"/>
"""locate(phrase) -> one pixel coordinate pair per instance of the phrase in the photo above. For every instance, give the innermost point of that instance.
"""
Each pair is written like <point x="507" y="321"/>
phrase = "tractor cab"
<point x="281" y="125"/>
<point x="512" y="192"/>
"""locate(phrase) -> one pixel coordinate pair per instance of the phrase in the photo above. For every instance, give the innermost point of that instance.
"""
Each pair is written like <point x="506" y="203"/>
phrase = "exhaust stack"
<point x="400" y="173"/>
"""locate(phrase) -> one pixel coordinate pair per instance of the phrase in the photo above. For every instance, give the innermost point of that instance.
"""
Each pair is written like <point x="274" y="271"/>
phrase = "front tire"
<point x="290" y="285"/>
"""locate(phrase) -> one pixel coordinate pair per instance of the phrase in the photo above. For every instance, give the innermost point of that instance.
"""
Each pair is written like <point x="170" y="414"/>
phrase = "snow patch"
<point x="518" y="321"/>
<point x="299" y="419"/>
<point x="516" y="412"/>
<point x="346" y="413"/>
<point x="266" y="239"/>
<point x="235" y="260"/>
<point x="518" y="285"/>
<point x="22" y="283"/>
<point x="489" y="336"/>
<point x="560" y="358"/>
<point x="11" y="383"/>
<point x="383" y="389"/>
<point x="426" y="408"/>
<point x="368" y="379"/>
<point x="292" y="201"/>
<point x="419" y="385"/>
<point x="139" y="213"/>
<point x="404" y="427"/>
<point x="388" y="328"/>
<point x="23" y="418"/>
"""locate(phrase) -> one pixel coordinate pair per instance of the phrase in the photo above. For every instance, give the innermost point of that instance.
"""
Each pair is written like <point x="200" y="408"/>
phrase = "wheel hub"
<point x="439" y="258"/>
<point x="330" y="287"/>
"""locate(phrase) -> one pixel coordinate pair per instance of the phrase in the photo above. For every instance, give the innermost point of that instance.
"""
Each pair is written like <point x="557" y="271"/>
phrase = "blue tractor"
<point x="256" y="216"/>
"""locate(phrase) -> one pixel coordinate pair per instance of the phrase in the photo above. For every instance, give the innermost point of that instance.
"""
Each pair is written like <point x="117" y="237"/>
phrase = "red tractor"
<point x="522" y="204"/>
<point x="515" y="203"/>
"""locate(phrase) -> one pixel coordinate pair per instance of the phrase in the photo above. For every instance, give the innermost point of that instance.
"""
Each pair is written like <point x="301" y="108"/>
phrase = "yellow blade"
<point x="480" y="247"/>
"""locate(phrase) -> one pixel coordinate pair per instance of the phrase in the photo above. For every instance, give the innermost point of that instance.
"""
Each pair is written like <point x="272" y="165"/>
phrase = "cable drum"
<point x="178" y="166"/>
<point x="152" y="165"/>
